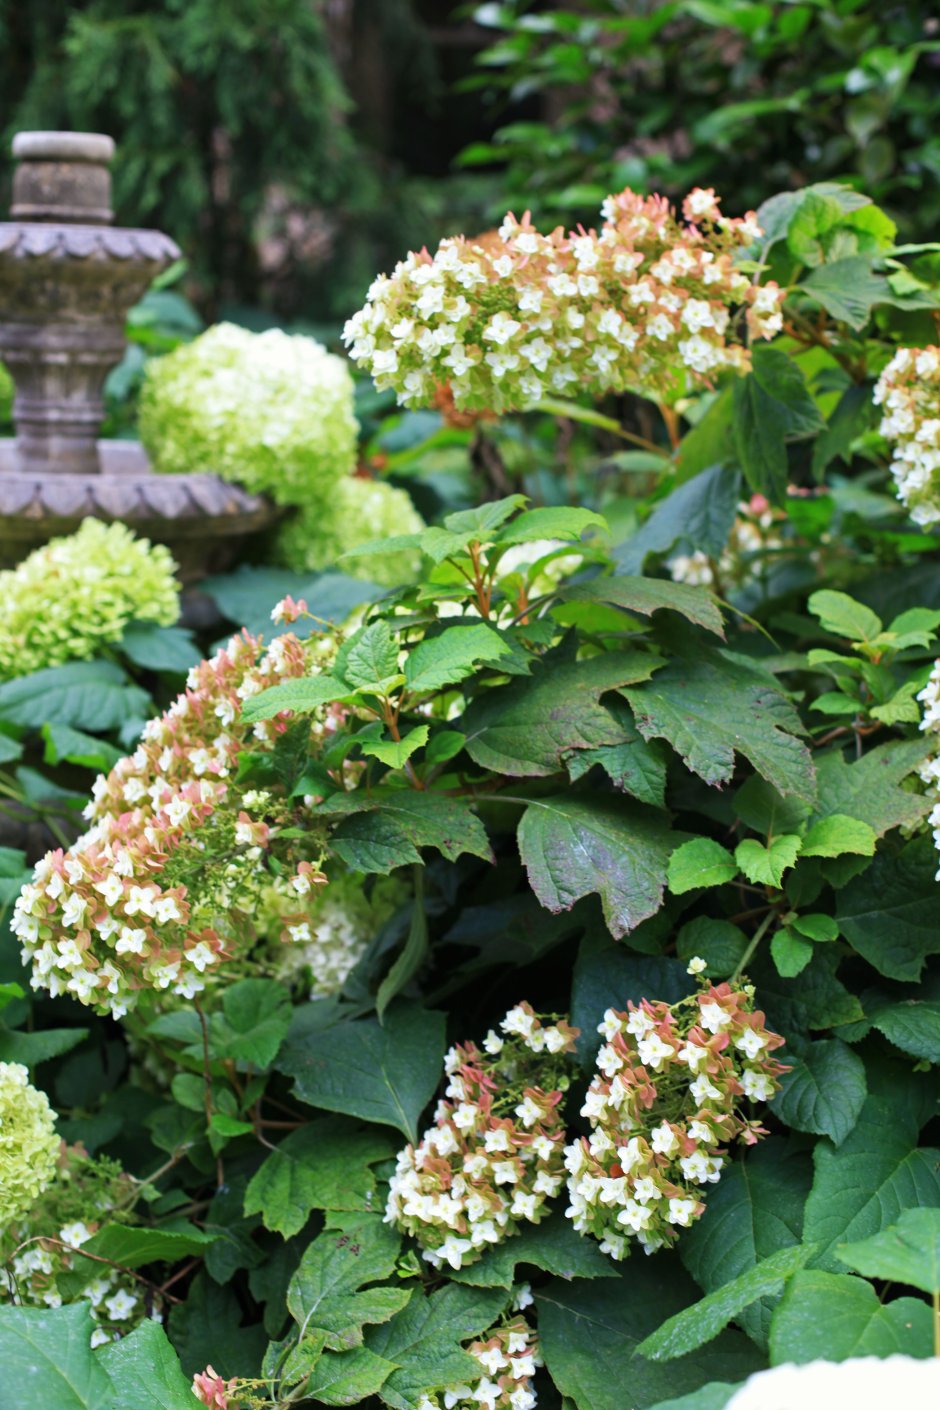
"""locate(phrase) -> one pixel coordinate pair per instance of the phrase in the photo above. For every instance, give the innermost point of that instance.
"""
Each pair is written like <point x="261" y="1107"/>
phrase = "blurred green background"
<point x="294" y="147"/>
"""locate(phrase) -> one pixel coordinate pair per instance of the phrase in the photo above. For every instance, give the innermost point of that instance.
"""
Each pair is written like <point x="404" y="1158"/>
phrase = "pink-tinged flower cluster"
<point x="650" y="303"/>
<point x="507" y="1358"/>
<point x="753" y="535"/>
<point x="665" y="1103"/>
<point x="213" y="1390"/>
<point x="494" y="1155"/>
<point x="154" y="895"/>
<point x="909" y="391"/>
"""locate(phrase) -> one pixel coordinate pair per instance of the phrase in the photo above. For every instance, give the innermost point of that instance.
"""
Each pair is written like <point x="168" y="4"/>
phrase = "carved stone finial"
<point x="63" y="176"/>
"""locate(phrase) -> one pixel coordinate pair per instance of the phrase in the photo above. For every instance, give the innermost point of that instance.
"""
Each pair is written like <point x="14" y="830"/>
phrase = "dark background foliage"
<point x="294" y="147"/>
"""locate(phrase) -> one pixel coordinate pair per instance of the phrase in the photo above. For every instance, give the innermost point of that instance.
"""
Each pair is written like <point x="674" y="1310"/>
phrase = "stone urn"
<point x="67" y="280"/>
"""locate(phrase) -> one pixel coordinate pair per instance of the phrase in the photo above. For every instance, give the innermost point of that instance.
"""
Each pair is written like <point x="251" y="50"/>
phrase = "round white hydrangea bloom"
<point x="909" y="391"/>
<point x="929" y="770"/>
<point x="272" y="411"/>
<point x="356" y="512"/>
<point x="29" y="1146"/>
<point x="864" y="1383"/>
<point x="91" y="584"/>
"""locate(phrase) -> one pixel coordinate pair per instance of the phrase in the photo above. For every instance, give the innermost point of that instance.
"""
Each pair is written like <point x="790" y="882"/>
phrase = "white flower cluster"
<point x="648" y="303"/>
<point x="753" y="534"/>
<point x="494" y="1154"/>
<point x="148" y="897"/>
<point x="909" y="391"/>
<point x="864" y="1383"/>
<point x="664" y="1104"/>
<point x="328" y="937"/>
<point x="507" y="1359"/>
<point x="30" y="1278"/>
<point x="929" y="770"/>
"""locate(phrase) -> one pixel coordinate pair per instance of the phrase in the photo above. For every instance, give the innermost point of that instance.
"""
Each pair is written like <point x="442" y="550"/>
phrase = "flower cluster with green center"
<point x="39" y="1249"/>
<point x="158" y="893"/>
<point x="909" y="391"/>
<point x="663" y="1106"/>
<point x="929" y="769"/>
<point x="316" y="945"/>
<point x="649" y="304"/>
<point x="271" y="411"/>
<point x="507" y="1358"/>
<point x="29" y="1146"/>
<point x="76" y="594"/>
<point x="494" y="1154"/>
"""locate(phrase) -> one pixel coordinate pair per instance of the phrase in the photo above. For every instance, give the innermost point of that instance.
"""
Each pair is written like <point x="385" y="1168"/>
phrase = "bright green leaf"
<point x="832" y="1317"/>
<point x="906" y="1252"/>
<point x="700" y="862"/>
<point x="765" y="865"/>
<point x="694" y="1326"/>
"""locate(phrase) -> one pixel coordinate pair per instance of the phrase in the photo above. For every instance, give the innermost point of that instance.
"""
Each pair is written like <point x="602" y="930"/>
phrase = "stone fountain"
<point x="67" y="280"/>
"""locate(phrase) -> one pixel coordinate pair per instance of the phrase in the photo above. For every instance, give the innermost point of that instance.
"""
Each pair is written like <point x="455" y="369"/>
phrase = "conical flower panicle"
<point x="507" y="1357"/>
<point x="494" y="1154"/>
<point x="666" y="1102"/>
<point x="154" y="894"/>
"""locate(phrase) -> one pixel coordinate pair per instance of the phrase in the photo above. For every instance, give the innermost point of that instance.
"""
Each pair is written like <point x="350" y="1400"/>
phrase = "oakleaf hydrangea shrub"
<point x="587" y="784"/>
<point x="668" y="1098"/>
<point x="29" y="1146"/>
<point x="493" y="1157"/>
<point x="40" y="1249"/>
<point x="271" y="411"/>
<point x="75" y="595"/>
<point x="652" y="301"/>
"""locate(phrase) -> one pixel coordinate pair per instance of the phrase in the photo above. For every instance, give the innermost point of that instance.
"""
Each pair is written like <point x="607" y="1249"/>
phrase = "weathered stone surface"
<point x="67" y="280"/>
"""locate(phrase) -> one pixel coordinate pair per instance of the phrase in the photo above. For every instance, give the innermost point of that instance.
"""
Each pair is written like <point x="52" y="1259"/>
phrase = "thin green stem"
<point x="758" y="936"/>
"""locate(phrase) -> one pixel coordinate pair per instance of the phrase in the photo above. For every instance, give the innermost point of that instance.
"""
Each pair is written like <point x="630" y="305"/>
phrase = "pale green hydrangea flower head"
<point x="357" y="511"/>
<point x="75" y="594"/>
<point x="7" y="392"/>
<point x="29" y="1146"/>
<point x="271" y="411"/>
